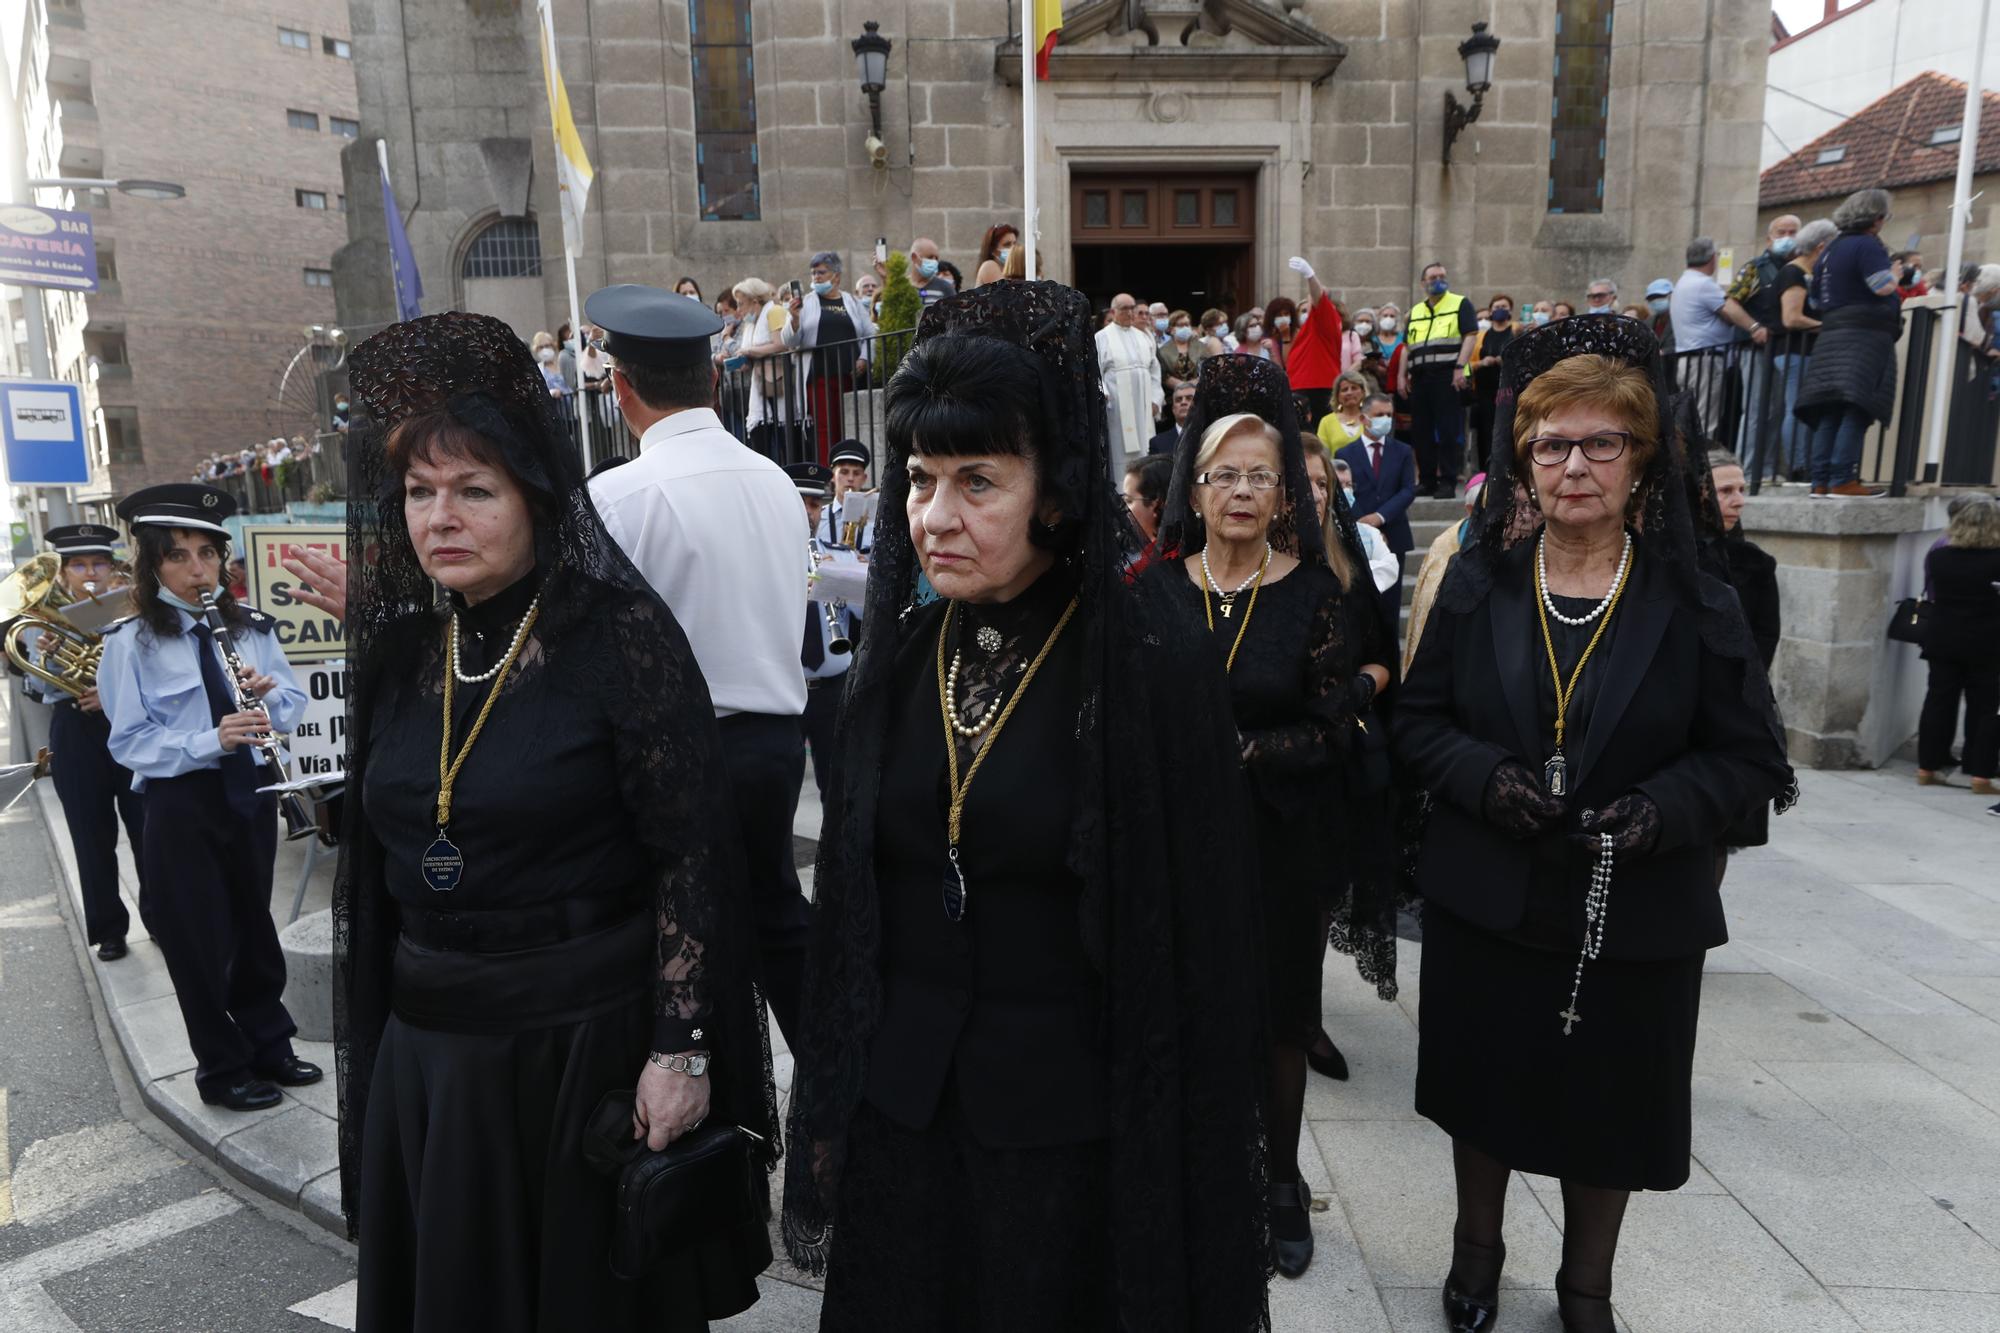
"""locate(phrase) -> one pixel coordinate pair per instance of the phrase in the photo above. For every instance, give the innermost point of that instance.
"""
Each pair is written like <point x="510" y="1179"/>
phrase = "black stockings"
<point x="1288" y="1109"/>
<point x="1591" y="1219"/>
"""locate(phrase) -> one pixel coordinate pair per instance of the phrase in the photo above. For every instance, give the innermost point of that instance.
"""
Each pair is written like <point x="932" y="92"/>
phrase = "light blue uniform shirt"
<point x="152" y="692"/>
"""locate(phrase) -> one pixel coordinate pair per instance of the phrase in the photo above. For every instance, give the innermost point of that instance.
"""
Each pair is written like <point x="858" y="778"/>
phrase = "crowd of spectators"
<point x="270" y="460"/>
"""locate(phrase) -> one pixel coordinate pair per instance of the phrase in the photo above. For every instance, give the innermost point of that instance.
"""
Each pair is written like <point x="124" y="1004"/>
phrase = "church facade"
<point x="1186" y="148"/>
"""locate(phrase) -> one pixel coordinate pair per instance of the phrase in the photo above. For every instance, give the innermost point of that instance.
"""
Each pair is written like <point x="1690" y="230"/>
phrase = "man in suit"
<point x="1169" y="439"/>
<point x="1385" y="482"/>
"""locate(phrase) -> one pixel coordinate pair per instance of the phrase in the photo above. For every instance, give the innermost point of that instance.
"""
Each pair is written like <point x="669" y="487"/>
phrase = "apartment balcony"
<point x="78" y="130"/>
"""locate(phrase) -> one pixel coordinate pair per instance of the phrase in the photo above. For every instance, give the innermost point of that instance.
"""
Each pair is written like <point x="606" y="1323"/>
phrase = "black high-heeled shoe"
<point x="1583" y="1313"/>
<point x="1332" y="1064"/>
<point x="1468" y="1309"/>
<point x="1291" y="1228"/>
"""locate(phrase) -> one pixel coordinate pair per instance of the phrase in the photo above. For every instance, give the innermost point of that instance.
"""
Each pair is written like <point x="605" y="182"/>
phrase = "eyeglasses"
<point x="1225" y="479"/>
<point x="1604" y="447"/>
<point x="1598" y="296"/>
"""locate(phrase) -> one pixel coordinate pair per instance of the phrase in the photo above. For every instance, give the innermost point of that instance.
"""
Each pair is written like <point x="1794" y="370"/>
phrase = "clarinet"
<point x="269" y="754"/>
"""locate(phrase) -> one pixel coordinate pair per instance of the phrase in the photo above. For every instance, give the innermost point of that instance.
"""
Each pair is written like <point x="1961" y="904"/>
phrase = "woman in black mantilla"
<point x="1027" y="1097"/>
<point x="1242" y="551"/>
<point x="537" y="918"/>
<point x="1567" y="862"/>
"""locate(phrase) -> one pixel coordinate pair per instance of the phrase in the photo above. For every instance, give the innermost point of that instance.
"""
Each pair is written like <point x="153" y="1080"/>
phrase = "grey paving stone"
<point x="1727" y="1086"/>
<point x="1963" y="1051"/>
<point x="176" y="1101"/>
<point x="278" y="1156"/>
<point x="139" y="975"/>
<point x="1728" y="958"/>
<point x="1968" y="913"/>
<point x="1889" y="1311"/>
<point x="1980" y="993"/>
<point x="1692" y="1263"/>
<point x="1843" y="1212"/>
<point x="1522" y="1310"/>
<point x="1394" y="1179"/>
<point x="1381" y="1050"/>
<point x="1764" y="1017"/>
<point x="154" y="1038"/>
<point x="320" y="1200"/>
<point x="323" y="1096"/>
<point x="1847" y="978"/>
<point x="1337" y="1292"/>
<point x="780" y="1308"/>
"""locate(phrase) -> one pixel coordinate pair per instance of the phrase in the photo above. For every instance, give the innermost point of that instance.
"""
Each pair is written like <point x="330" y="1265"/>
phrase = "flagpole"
<point x="1961" y="205"/>
<point x="1030" y="95"/>
<point x="569" y="236"/>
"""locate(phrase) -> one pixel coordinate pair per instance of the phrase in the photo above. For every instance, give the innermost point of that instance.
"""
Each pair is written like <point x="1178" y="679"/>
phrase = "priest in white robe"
<point x="1127" y="361"/>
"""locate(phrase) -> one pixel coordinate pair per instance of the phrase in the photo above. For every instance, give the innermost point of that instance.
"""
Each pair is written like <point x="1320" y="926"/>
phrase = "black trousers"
<point x="1437" y="428"/>
<point x="208" y="903"/>
<point x="766" y="767"/>
<point x="96" y="793"/>
<point x="823" y="698"/>
<point x="1938" y="723"/>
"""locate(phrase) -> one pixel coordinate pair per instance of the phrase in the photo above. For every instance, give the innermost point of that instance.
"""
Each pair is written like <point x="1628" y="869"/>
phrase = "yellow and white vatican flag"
<point x="573" y="169"/>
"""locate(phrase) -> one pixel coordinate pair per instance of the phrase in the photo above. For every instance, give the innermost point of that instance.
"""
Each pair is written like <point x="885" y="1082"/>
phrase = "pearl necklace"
<point x="1549" y="601"/>
<point x="1248" y="579"/>
<point x="514" y="648"/>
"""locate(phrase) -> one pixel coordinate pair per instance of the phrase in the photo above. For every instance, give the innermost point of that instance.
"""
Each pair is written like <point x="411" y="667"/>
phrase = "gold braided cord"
<point x="959" y="789"/>
<point x="448" y="774"/>
<point x="1208" y="610"/>
<point x="1563" y="692"/>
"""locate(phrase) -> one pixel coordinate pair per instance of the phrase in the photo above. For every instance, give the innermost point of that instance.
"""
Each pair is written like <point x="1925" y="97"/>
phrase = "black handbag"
<point x="1912" y="621"/>
<point x="702" y="1188"/>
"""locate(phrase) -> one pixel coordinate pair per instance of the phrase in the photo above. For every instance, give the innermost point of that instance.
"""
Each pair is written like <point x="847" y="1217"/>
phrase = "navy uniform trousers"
<point x="766" y="767"/>
<point x="96" y="793"/>
<point x="208" y="905"/>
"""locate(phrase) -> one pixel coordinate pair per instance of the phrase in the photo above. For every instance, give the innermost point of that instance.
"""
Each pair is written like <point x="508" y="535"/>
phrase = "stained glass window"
<point x="725" y="110"/>
<point x="1581" y="106"/>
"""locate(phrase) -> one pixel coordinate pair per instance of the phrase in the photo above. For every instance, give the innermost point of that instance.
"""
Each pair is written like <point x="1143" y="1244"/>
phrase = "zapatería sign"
<point x="47" y="247"/>
<point x="306" y="633"/>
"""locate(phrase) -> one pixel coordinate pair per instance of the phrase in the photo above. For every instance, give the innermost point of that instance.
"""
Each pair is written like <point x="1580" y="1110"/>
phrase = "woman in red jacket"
<point x="1312" y="361"/>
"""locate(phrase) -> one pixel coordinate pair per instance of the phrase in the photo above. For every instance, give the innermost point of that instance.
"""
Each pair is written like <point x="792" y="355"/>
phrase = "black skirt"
<point x="477" y="1208"/>
<point x="1608" y="1105"/>
<point x="934" y="1232"/>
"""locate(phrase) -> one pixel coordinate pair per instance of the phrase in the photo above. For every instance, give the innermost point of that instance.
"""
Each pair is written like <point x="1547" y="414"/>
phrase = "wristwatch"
<point x="694" y="1064"/>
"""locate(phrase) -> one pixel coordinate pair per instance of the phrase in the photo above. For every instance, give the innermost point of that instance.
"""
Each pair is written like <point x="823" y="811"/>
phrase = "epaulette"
<point x="257" y="620"/>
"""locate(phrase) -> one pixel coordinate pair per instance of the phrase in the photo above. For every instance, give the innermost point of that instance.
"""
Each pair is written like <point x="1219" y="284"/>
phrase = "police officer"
<point x="714" y="527"/>
<point x="96" y="793"/>
<point x="849" y="465"/>
<point x="1437" y="348"/>
<point x="210" y="836"/>
<point x="825" y="669"/>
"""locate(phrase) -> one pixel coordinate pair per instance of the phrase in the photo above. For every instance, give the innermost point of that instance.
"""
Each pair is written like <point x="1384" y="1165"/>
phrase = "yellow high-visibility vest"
<point x="1432" y="339"/>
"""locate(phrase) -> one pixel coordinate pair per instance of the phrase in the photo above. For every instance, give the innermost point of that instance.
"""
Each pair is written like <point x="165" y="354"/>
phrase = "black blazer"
<point x="1965" y="611"/>
<point x="1670" y="721"/>
<point x="1390" y="494"/>
<point x="1165" y="442"/>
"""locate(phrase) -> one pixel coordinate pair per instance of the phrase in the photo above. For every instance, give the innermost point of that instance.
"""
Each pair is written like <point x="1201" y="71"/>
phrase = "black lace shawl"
<point x="1674" y="502"/>
<point x="1362" y="902"/>
<point x="605" y="631"/>
<point x="1166" y="913"/>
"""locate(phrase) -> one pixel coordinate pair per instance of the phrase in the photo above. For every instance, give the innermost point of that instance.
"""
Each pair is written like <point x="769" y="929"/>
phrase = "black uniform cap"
<point x="179" y="504"/>
<point x="82" y="539"/>
<point x="850" y="451"/>
<point x="649" y="327"/>
<point x="813" y="479"/>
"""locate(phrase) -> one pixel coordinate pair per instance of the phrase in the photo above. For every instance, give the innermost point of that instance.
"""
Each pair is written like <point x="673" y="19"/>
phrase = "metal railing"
<point x="1746" y="398"/>
<point x="266" y="489"/>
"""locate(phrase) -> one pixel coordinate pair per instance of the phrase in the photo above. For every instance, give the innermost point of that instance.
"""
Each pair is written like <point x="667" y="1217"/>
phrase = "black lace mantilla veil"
<point x="1160" y="916"/>
<point x="600" y="625"/>
<point x="1667" y="524"/>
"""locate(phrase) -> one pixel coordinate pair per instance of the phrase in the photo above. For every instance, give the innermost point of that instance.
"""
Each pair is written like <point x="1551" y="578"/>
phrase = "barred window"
<point x="1581" y="106"/>
<point x="725" y="111"/>
<point x="508" y="248"/>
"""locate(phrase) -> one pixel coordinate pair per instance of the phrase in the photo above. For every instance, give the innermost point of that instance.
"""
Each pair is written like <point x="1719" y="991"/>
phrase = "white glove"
<point x="1301" y="267"/>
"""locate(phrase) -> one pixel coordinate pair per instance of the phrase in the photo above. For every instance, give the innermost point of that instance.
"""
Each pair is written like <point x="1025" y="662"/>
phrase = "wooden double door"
<point x="1186" y="240"/>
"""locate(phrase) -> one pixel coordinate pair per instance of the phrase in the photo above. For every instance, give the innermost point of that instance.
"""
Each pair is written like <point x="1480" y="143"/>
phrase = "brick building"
<point x="1188" y="147"/>
<point x="203" y="300"/>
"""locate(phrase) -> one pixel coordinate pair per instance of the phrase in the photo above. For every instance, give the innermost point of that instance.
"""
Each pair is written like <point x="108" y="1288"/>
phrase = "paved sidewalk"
<point x="1847" y="1105"/>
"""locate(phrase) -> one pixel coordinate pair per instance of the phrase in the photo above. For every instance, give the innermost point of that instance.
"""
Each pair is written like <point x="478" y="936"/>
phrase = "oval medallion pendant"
<point x="443" y="865"/>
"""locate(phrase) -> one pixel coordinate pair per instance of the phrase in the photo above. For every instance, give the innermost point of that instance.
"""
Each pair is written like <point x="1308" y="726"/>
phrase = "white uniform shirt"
<point x="719" y="532"/>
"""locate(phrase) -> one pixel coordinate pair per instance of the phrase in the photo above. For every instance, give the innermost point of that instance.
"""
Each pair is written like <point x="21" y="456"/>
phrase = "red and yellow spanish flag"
<point x="1048" y="28"/>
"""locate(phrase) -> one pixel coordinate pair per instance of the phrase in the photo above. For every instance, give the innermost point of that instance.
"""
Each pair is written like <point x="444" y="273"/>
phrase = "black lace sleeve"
<point x="1310" y="744"/>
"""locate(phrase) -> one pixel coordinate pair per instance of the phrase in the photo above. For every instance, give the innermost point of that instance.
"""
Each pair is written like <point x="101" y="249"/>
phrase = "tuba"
<point x="30" y="602"/>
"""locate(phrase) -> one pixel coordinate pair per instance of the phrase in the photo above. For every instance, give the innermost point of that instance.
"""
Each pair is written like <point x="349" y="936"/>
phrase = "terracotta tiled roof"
<point x="1886" y="145"/>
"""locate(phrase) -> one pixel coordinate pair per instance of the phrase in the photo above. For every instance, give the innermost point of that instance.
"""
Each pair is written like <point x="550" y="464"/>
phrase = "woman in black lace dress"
<point x="1027" y="1097"/>
<point x="529" y="913"/>
<point x="1242" y="552"/>
<point x="1587" y="713"/>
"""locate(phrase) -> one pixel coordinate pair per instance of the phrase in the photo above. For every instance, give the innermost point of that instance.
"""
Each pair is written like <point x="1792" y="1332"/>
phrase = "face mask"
<point x="1485" y="325"/>
<point x="731" y="321"/>
<point x="1003" y="256"/>
<point x="1501" y="314"/>
<point x="1436" y="287"/>
<point x="1183" y="333"/>
<point x="546" y="355"/>
<point x="1364" y="328"/>
<point x="1348" y="491"/>
<point x="927" y="267"/>
<point x="1220" y="331"/>
<point x="692" y="296"/>
<point x="1253" y="333"/>
<point x="1388" y="323"/>
<point x="822" y="288"/>
<point x="1541" y="317"/>
<point x="1658" y="304"/>
<point x="1911" y="277"/>
<point x="1600" y="310"/>
<point x="1784" y="245"/>
<point x="192" y="608"/>
<point x="1283" y="321"/>
<point x="1160" y="325"/>
<point x="340" y="404"/>
<point x="1379" y="426"/>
